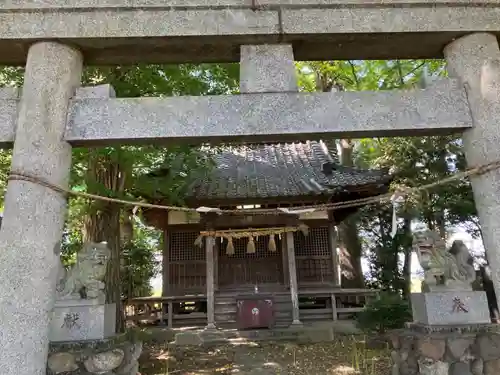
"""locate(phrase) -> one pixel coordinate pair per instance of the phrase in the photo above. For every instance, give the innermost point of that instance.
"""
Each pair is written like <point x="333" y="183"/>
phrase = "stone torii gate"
<point x="54" y="38"/>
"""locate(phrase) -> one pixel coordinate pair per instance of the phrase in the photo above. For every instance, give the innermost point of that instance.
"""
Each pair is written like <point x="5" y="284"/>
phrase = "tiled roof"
<point x="280" y="170"/>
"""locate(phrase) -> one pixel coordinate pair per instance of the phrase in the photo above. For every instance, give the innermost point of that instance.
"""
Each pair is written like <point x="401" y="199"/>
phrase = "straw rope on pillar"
<point x="252" y="235"/>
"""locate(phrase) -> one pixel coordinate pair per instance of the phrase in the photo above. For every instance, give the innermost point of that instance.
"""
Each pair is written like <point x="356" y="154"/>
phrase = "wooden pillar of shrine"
<point x="165" y="286"/>
<point x="165" y="277"/>
<point x="292" y="270"/>
<point x="209" y="249"/>
<point x="217" y="246"/>
<point x="284" y="257"/>
<point x="332" y="244"/>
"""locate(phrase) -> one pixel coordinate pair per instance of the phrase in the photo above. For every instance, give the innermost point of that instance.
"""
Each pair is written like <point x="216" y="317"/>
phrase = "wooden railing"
<point x="176" y="311"/>
<point x="321" y="304"/>
<point x="333" y="304"/>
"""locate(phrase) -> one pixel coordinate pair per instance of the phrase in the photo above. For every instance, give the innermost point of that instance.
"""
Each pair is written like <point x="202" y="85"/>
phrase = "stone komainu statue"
<point x="85" y="279"/>
<point x="444" y="269"/>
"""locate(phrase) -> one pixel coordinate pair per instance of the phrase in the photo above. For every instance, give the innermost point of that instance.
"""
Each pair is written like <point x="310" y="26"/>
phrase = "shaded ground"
<point x="347" y="356"/>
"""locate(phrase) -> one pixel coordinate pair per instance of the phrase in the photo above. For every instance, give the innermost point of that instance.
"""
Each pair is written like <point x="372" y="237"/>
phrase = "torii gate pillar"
<point x="475" y="59"/>
<point x="34" y="215"/>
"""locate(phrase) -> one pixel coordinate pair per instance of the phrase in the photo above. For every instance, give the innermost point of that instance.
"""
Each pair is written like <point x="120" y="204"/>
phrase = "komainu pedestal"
<point x="80" y="312"/>
<point x="447" y="297"/>
<point x="83" y="340"/>
<point x="449" y="307"/>
<point x="77" y="320"/>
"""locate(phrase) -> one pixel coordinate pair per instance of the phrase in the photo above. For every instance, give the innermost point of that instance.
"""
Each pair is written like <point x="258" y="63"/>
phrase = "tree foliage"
<point x="123" y="171"/>
<point x="140" y="262"/>
<point x="413" y="161"/>
<point x="388" y="312"/>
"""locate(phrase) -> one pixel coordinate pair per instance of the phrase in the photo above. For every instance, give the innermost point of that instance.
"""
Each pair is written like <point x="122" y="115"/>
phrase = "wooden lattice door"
<point x="244" y="269"/>
<point x="187" y="263"/>
<point x="313" y="257"/>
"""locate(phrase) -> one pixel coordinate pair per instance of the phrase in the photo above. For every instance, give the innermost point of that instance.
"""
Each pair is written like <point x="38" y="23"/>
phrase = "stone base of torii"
<point x="48" y="116"/>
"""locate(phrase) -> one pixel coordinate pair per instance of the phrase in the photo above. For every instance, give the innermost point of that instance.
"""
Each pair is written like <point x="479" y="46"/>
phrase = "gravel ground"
<point x="347" y="356"/>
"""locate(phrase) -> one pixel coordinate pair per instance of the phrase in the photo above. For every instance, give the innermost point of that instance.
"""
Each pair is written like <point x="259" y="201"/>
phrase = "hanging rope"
<point x="404" y="191"/>
<point x="251" y="234"/>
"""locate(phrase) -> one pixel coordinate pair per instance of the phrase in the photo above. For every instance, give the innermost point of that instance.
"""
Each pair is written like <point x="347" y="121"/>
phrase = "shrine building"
<point x="288" y="259"/>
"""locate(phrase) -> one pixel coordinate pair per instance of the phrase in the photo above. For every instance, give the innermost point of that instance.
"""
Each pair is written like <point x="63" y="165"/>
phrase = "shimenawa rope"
<point x="20" y="176"/>
<point x="251" y="234"/>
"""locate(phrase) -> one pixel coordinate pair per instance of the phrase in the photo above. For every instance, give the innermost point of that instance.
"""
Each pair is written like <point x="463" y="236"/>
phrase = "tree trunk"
<point x="351" y="250"/>
<point x="441" y="224"/>
<point x="126" y="226"/>
<point x="350" y="254"/>
<point x="408" y="240"/>
<point x="102" y="223"/>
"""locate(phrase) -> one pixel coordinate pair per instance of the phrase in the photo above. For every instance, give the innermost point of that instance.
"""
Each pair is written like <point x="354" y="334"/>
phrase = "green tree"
<point x="120" y="172"/>
<point x="139" y="262"/>
<point x="413" y="162"/>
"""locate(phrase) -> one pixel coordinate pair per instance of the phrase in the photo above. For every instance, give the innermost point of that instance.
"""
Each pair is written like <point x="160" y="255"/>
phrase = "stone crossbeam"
<point x="439" y="109"/>
<point x="103" y="120"/>
<point x="126" y="31"/>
